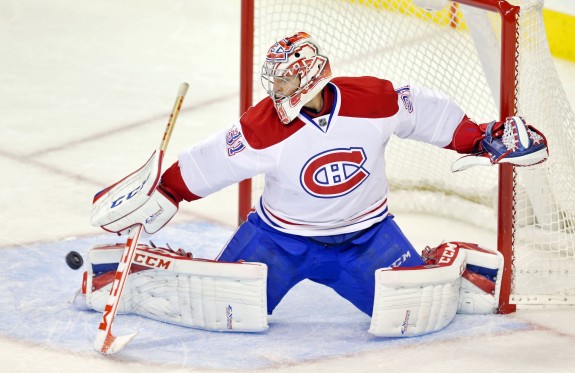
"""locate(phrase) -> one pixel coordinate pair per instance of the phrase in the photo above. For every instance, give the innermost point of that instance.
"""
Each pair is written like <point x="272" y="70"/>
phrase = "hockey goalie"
<point x="323" y="215"/>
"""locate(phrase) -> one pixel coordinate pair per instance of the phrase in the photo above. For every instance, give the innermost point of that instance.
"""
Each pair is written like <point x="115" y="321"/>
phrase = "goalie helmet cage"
<point x="492" y="57"/>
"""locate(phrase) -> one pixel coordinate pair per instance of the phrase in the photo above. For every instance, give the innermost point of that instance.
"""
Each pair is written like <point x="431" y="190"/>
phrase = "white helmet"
<point x="292" y="57"/>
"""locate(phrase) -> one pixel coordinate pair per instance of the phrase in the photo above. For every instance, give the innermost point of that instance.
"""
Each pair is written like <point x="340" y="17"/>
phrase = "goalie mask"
<point x="294" y="73"/>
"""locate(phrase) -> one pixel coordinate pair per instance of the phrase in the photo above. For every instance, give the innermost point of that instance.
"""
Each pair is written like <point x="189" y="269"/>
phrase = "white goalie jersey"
<point x="323" y="175"/>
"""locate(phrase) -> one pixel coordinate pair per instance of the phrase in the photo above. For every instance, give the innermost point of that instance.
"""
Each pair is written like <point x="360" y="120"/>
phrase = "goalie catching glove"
<point x="512" y="141"/>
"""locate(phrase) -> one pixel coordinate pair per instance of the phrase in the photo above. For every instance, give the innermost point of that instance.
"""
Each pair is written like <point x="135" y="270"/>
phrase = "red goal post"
<point x="363" y="28"/>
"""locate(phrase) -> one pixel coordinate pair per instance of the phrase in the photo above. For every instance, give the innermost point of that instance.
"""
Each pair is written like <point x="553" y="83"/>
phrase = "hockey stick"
<point x="105" y="341"/>
<point x="104" y="210"/>
<point x="123" y="197"/>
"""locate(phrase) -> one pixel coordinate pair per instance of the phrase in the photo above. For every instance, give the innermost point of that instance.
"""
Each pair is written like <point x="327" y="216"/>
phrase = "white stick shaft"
<point x="105" y="340"/>
<point x="174" y="115"/>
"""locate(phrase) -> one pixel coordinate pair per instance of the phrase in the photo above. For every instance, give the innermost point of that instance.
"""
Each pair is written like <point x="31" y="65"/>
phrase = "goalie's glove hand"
<point x="154" y="214"/>
<point x="512" y="141"/>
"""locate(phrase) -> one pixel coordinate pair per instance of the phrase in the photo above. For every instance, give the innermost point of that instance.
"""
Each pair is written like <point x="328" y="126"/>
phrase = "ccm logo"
<point x="151" y="261"/>
<point x="404" y="257"/>
<point x="448" y="254"/>
<point x="130" y="195"/>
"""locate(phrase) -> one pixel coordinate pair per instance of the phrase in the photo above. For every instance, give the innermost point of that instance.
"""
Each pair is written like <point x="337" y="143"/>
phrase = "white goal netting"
<point x="456" y="50"/>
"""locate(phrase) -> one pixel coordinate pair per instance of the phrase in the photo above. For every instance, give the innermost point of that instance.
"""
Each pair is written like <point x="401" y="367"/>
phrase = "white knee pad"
<point x="418" y="300"/>
<point x="461" y="278"/>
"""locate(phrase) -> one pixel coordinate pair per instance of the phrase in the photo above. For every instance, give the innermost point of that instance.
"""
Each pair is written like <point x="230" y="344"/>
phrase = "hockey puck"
<point x="74" y="260"/>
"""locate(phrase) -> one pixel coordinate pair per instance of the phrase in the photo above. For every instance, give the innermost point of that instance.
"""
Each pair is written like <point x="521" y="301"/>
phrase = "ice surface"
<point x="312" y="324"/>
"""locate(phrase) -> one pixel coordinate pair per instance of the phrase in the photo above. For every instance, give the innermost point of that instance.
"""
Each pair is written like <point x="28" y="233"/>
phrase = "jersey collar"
<point x="323" y="122"/>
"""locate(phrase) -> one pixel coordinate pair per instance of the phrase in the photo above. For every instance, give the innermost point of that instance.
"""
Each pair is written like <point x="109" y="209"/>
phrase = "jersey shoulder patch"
<point x="366" y="97"/>
<point x="262" y="128"/>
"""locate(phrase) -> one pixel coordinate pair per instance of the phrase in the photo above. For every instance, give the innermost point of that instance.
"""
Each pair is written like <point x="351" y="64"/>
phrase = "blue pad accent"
<point x="102" y="268"/>
<point x="487" y="272"/>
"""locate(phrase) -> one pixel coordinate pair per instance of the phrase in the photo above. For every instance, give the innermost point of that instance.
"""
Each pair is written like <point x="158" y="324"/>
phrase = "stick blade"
<point x="108" y="344"/>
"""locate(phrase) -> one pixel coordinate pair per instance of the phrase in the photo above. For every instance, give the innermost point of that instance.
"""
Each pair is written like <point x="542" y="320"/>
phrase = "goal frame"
<point x="507" y="107"/>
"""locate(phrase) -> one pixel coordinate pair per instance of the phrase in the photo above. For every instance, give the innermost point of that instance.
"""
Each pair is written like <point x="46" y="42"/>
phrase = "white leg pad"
<point x="195" y="293"/>
<point x="419" y="300"/>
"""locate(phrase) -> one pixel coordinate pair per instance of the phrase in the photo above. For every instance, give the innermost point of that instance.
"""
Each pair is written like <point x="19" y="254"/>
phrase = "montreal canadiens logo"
<point x="334" y="173"/>
<point x="279" y="51"/>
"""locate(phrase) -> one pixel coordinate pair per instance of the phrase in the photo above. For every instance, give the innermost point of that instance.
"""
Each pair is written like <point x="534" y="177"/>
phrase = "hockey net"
<point x="493" y="58"/>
